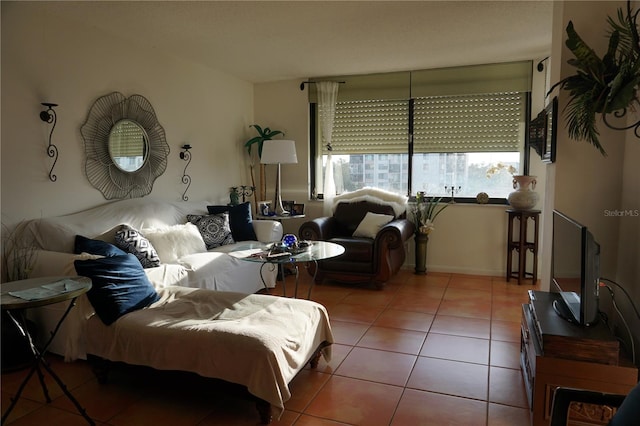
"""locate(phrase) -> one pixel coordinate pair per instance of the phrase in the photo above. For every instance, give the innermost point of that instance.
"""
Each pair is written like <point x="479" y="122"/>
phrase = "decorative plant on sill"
<point x="425" y="210"/>
<point x="501" y="166"/>
<point x="603" y="86"/>
<point x="263" y="135"/>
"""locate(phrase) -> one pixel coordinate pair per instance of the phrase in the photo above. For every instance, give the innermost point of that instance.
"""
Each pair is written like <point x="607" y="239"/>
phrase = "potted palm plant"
<point x="607" y="85"/>
<point x="263" y="135"/>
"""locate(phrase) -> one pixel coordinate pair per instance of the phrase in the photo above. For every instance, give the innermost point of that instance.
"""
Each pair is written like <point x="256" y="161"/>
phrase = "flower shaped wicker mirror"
<point x="125" y="146"/>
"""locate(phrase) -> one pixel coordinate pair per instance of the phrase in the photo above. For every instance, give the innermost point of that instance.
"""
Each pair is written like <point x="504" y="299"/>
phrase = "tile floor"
<point x="437" y="349"/>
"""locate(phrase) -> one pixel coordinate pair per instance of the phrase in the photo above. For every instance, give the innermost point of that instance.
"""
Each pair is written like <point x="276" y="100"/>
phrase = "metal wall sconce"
<point x="540" y="66"/>
<point x="243" y="191"/>
<point x="49" y="116"/>
<point x="186" y="179"/>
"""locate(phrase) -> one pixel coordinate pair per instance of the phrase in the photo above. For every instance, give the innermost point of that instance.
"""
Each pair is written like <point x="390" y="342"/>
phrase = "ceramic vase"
<point x="524" y="197"/>
<point x="421" y="253"/>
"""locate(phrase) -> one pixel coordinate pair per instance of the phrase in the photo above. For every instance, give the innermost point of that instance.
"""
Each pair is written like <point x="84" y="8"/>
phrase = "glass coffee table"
<point x="260" y="253"/>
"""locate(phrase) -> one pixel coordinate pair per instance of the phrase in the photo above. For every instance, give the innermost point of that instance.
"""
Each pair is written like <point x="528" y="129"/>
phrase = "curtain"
<point x="327" y="97"/>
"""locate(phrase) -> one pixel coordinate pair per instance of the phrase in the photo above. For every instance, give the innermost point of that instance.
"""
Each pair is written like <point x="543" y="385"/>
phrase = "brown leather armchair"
<point x="365" y="260"/>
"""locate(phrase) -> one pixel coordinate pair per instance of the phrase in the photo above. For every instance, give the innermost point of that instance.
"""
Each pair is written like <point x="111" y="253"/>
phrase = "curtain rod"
<point x="314" y="82"/>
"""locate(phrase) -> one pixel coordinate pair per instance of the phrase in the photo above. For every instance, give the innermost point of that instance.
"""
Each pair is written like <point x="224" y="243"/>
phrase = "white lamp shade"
<point x="279" y="151"/>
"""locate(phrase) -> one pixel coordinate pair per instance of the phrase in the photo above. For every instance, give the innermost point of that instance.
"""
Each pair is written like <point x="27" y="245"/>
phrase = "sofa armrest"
<point x="318" y="229"/>
<point x="395" y="233"/>
<point x="268" y="231"/>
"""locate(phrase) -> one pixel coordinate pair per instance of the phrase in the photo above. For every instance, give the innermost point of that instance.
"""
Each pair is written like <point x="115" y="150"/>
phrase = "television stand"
<point x="554" y="353"/>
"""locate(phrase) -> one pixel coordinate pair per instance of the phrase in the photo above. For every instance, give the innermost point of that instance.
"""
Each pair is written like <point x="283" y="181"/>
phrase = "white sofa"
<point x="214" y="269"/>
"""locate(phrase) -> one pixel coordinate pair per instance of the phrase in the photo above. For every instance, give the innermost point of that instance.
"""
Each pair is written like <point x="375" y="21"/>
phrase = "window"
<point x="435" y="141"/>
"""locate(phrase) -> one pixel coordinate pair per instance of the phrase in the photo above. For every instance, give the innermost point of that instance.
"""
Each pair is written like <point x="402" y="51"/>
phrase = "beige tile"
<point x="450" y="377"/>
<point x="369" y="298"/>
<point x="504" y="415"/>
<point x="467" y="294"/>
<point x="505" y="354"/>
<point x="354" y="313"/>
<point x="506" y="331"/>
<point x="355" y="402"/>
<point x="506" y="387"/>
<point x="415" y="303"/>
<point x="304" y="387"/>
<point x="23" y="407"/>
<point x="470" y="282"/>
<point x="170" y="411"/>
<point x="393" y="339"/>
<point x="405" y="320"/>
<point x="377" y="366"/>
<point x="347" y="333"/>
<point x="427" y="408"/>
<point x="456" y="348"/>
<point x="461" y="326"/>
<point x="48" y="415"/>
<point x="338" y="354"/>
<point x="101" y="401"/>
<point x="470" y="308"/>
<point x="305" y="420"/>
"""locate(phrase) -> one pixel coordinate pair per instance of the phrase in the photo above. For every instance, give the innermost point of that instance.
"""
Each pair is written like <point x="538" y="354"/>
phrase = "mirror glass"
<point x="128" y="145"/>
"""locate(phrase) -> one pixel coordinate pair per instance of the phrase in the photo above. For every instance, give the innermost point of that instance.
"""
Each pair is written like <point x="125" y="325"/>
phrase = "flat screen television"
<point x="575" y="270"/>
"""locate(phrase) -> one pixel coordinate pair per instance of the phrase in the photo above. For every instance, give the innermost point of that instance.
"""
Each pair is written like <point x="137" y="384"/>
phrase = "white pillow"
<point x="371" y="224"/>
<point x="173" y="242"/>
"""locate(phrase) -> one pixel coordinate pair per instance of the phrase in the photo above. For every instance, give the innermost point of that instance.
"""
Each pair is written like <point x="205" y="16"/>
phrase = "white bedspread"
<point x="258" y="341"/>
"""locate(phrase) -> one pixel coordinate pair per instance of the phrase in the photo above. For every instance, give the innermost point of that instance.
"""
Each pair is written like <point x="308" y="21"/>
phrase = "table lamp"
<point x="279" y="151"/>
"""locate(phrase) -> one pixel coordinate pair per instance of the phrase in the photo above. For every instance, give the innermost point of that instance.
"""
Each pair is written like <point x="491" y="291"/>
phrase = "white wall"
<point x="47" y="59"/>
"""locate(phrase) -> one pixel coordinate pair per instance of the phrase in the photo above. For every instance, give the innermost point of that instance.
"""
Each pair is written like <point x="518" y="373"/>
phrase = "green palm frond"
<point x="263" y="135"/>
<point x="601" y="86"/>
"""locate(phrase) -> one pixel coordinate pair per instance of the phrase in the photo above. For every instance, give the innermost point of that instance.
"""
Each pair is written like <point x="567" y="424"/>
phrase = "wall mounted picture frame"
<point x="264" y="207"/>
<point x="297" y="209"/>
<point x="551" y="127"/>
<point x="538" y="132"/>
<point x="288" y="205"/>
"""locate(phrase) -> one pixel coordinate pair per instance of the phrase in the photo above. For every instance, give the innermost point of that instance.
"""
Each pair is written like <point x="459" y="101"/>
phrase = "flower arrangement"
<point x="425" y="210"/>
<point x="500" y="166"/>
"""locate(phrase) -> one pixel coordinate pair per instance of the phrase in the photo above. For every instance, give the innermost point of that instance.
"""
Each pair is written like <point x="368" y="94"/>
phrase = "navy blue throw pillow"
<point x="102" y="248"/>
<point x="119" y="286"/>
<point x="240" y="220"/>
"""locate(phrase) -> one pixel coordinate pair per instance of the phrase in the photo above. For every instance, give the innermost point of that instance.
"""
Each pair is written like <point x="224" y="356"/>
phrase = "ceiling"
<point x="280" y="40"/>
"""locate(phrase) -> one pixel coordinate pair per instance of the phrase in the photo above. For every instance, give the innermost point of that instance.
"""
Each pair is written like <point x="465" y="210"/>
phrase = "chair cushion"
<point x="240" y="220"/>
<point x="349" y="215"/>
<point x="214" y="228"/>
<point x="119" y="285"/>
<point x="102" y="248"/>
<point x="371" y="224"/>
<point x="132" y="241"/>
<point x="173" y="242"/>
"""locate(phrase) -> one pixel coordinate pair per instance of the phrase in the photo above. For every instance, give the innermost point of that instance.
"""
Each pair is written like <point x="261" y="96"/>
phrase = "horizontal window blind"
<point x="127" y="139"/>
<point x="468" y="123"/>
<point x="370" y="126"/>
<point x="487" y="78"/>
